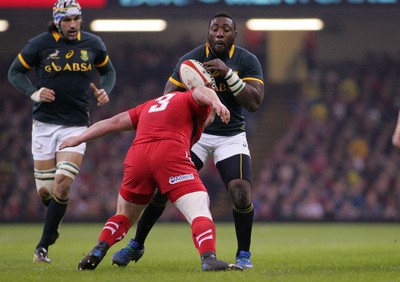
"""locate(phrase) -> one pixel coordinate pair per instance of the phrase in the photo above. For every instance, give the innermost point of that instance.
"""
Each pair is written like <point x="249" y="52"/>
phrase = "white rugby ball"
<point x="192" y="74"/>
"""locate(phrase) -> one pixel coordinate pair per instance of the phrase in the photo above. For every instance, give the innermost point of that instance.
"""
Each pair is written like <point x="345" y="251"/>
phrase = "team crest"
<point x="54" y="55"/>
<point x="84" y="55"/>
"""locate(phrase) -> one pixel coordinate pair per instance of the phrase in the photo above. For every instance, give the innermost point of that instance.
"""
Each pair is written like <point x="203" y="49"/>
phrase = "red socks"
<point x="115" y="229"/>
<point x="203" y="233"/>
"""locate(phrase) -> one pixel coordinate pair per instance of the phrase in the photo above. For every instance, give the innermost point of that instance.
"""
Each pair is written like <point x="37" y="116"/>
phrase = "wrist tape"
<point x="235" y="84"/>
<point x="36" y="96"/>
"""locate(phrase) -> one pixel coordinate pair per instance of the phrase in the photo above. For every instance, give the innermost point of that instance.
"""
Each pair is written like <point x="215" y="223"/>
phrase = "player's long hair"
<point x="51" y="27"/>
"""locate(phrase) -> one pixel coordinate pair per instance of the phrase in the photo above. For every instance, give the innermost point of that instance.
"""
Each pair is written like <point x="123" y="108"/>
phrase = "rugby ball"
<point x="192" y="74"/>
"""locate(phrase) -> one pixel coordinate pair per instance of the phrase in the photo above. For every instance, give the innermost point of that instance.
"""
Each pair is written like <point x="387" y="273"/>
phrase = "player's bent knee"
<point x="44" y="180"/>
<point x="194" y="205"/>
<point x="240" y="193"/>
<point x="68" y="169"/>
<point x="43" y="193"/>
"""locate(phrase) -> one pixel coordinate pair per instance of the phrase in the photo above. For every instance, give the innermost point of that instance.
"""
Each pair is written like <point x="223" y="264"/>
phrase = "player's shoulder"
<point x="41" y="38"/>
<point x="90" y="36"/>
<point x="92" y="40"/>
<point x="246" y="59"/>
<point x="38" y="42"/>
<point x="243" y="52"/>
<point x="201" y="48"/>
<point x="197" y="53"/>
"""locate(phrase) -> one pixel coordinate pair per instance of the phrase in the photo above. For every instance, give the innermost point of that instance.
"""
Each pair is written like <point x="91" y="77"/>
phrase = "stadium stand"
<point x="321" y="149"/>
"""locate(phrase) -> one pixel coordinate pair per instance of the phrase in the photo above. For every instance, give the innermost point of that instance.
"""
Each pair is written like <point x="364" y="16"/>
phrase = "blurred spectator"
<point x="336" y="161"/>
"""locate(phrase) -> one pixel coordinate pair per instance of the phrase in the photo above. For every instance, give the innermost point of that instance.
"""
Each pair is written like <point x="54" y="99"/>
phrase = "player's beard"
<point x="70" y="35"/>
<point x="220" y="48"/>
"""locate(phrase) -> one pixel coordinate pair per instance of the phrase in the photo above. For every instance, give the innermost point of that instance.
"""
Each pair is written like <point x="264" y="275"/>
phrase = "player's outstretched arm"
<point x="396" y="134"/>
<point x="119" y="122"/>
<point x="206" y="96"/>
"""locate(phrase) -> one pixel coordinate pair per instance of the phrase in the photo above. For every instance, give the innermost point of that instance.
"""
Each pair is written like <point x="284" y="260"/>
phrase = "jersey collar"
<point x="208" y="50"/>
<point x="57" y="36"/>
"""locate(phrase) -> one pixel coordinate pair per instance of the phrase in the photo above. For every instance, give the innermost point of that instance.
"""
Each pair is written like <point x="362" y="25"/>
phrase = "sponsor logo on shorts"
<point x="180" y="178"/>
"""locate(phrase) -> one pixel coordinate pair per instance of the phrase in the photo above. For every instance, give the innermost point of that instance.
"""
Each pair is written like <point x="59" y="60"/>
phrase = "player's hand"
<point x="216" y="65"/>
<point x="44" y="95"/>
<point x="222" y="112"/>
<point x="211" y="85"/>
<point x="396" y="136"/>
<point x="100" y="94"/>
<point x="70" y="142"/>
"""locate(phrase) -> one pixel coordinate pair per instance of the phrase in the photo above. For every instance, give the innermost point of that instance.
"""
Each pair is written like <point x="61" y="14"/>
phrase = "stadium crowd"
<point x="335" y="161"/>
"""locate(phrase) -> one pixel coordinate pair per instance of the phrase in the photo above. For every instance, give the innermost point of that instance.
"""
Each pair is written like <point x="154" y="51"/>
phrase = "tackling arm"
<point x="119" y="122"/>
<point x="206" y="96"/>
<point x="396" y="134"/>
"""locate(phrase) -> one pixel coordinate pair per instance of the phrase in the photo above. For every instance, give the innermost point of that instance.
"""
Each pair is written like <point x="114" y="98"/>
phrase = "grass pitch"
<point x="281" y="252"/>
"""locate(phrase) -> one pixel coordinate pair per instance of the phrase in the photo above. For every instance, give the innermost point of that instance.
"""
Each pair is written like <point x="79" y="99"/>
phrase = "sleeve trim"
<point x="25" y="64"/>
<point x="103" y="63"/>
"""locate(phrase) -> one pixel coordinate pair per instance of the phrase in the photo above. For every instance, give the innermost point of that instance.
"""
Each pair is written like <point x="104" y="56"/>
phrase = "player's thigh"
<point x="67" y="168"/>
<point x="193" y="205"/>
<point x="172" y="169"/>
<point x="201" y="150"/>
<point x="199" y="155"/>
<point x="235" y="167"/>
<point x="70" y="157"/>
<point x="137" y="184"/>
<point x="68" y="160"/>
<point x="44" y="164"/>
<point x="46" y="139"/>
<point x="129" y="209"/>
<point x="228" y="146"/>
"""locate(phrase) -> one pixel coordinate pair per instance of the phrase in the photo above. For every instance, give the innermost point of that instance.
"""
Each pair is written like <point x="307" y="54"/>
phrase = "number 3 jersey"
<point x="174" y="116"/>
<point x="166" y="127"/>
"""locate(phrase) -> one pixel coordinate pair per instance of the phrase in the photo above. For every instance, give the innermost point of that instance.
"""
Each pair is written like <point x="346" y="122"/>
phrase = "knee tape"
<point x="67" y="168"/>
<point x="45" y="179"/>
<point x="193" y="205"/>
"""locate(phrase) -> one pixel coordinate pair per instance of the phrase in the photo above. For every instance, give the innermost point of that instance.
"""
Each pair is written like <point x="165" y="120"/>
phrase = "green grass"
<point x="281" y="252"/>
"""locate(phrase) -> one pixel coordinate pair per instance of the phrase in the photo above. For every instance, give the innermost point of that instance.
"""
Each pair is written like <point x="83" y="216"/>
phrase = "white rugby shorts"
<point x="46" y="138"/>
<point x="220" y="147"/>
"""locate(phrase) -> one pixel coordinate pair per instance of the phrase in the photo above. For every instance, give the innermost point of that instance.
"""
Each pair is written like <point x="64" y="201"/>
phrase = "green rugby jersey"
<point x="67" y="68"/>
<point x="245" y="65"/>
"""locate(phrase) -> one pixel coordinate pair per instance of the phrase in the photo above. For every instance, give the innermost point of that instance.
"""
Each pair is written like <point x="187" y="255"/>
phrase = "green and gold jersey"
<point x="67" y="68"/>
<point x="245" y="65"/>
